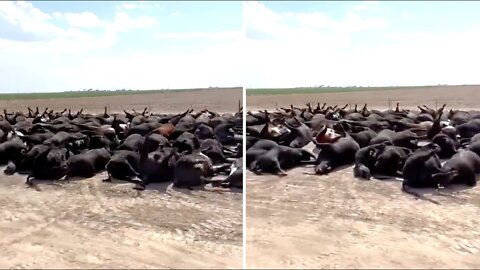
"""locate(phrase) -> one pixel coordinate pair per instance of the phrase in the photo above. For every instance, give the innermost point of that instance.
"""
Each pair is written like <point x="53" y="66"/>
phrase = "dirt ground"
<point x="337" y="221"/>
<point x="220" y="100"/>
<point x="92" y="224"/>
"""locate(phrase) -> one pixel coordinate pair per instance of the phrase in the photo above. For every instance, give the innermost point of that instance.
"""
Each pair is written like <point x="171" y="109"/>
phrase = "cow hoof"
<point x="139" y="187"/>
<point x="365" y="178"/>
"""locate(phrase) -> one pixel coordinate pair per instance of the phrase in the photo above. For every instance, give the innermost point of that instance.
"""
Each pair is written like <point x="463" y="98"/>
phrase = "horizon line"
<point x="354" y="86"/>
<point x="122" y="90"/>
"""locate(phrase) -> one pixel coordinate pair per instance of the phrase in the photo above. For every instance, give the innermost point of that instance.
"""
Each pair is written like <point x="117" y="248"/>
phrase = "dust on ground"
<point x="92" y="224"/>
<point x="337" y="221"/>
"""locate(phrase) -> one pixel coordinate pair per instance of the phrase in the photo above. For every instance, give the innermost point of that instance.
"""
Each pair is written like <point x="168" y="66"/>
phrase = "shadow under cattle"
<point x="164" y="187"/>
<point x="206" y="187"/>
<point x="386" y="178"/>
<point x="337" y="169"/>
<point x="449" y="191"/>
<point x="455" y="188"/>
<point x="427" y="193"/>
<point x="38" y="184"/>
<point x="158" y="187"/>
<point x="234" y="190"/>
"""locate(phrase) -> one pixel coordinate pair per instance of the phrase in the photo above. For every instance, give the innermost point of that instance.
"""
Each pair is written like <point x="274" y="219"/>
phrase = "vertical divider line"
<point x="244" y="140"/>
<point x="244" y="197"/>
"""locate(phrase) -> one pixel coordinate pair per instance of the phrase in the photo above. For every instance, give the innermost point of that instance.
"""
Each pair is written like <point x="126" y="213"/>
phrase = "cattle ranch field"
<point x="92" y="224"/>
<point x="337" y="221"/>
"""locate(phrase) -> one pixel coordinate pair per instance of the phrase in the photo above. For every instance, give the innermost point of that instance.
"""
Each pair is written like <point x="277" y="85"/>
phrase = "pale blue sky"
<point x="365" y="43"/>
<point x="61" y="46"/>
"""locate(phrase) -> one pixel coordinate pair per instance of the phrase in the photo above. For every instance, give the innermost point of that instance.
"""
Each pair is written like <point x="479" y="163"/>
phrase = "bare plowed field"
<point x="221" y="100"/>
<point x="454" y="96"/>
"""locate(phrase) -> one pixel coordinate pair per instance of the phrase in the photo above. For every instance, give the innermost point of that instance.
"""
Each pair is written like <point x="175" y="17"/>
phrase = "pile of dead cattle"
<point x="404" y="143"/>
<point x="189" y="149"/>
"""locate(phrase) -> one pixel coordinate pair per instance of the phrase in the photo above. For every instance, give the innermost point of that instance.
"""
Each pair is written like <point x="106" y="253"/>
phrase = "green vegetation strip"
<point x="95" y="93"/>
<point x="316" y="90"/>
